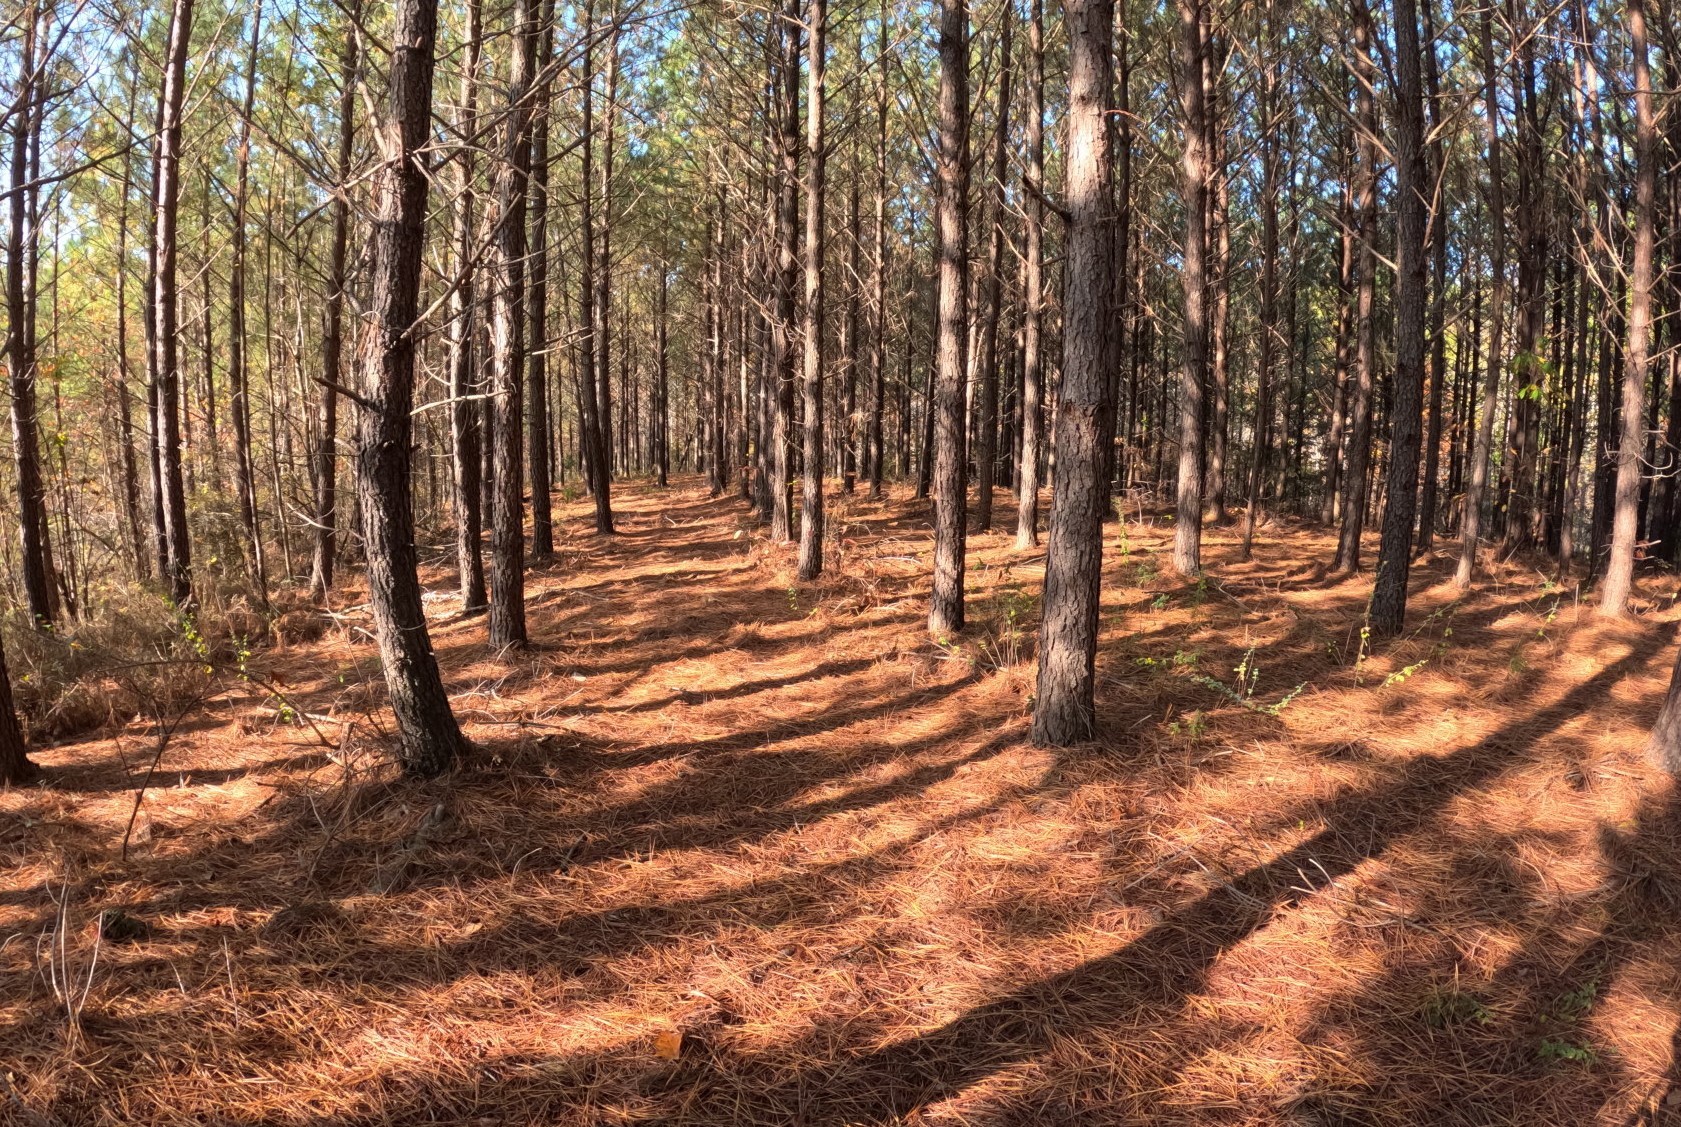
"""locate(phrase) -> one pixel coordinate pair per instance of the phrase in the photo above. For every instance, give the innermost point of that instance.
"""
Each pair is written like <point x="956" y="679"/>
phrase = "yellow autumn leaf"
<point x="668" y="1045"/>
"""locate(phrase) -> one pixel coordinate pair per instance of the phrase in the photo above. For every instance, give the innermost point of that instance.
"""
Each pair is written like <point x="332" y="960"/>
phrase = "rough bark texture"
<point x="1033" y="296"/>
<point x="1064" y="711"/>
<point x="1187" y="530"/>
<point x="15" y="766"/>
<point x="20" y="351"/>
<point x="1389" y="595"/>
<point x="238" y="377"/>
<point x="537" y="309"/>
<point x="332" y="338"/>
<point x="1625" y="522"/>
<point x="949" y="483"/>
<point x="429" y="739"/>
<point x="1365" y="352"/>
<point x="1470" y="525"/>
<point x="986" y="425"/>
<point x="787" y="267"/>
<point x="811" y="475"/>
<point x="508" y="328"/>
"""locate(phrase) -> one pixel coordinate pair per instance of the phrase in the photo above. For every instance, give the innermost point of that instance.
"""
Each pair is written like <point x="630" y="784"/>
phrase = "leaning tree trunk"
<point x="166" y="309"/>
<point x="945" y="614"/>
<point x="332" y="337"/>
<point x="508" y="326"/>
<point x="1064" y="710"/>
<point x="1033" y="298"/>
<point x="429" y="739"/>
<point x="1619" y="570"/>
<point x="1389" y="595"/>
<point x="1187" y="532"/>
<point x="811" y="474"/>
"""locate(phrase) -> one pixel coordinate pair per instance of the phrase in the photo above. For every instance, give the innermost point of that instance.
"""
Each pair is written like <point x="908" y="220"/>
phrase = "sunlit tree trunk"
<point x="508" y="332"/>
<point x="811" y="474"/>
<point x="1064" y="710"/>
<point x="429" y="739"/>
<point x="166" y="308"/>
<point x="1619" y="569"/>
<point x="1187" y="531"/>
<point x="949" y="483"/>
<point x="332" y="337"/>
<point x="1033" y="296"/>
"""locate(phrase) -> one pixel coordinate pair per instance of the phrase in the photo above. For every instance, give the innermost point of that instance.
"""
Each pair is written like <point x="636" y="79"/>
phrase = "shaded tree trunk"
<point x="1389" y="595"/>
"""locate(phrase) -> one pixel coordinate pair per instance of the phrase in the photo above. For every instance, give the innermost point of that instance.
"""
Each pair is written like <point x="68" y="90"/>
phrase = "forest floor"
<point x="742" y="851"/>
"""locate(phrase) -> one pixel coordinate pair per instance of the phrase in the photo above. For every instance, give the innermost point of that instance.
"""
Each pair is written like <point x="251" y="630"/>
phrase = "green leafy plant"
<point x="1248" y="678"/>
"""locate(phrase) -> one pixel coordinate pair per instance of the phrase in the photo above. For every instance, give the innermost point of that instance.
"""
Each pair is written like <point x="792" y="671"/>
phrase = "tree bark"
<point x="1187" y="530"/>
<point x="1389" y="595"/>
<point x="537" y="308"/>
<point x="238" y="377"/>
<point x="1625" y="531"/>
<point x="166" y="309"/>
<point x="332" y="337"/>
<point x="811" y="474"/>
<point x="1033" y="297"/>
<point x="429" y="739"/>
<point x="1064" y="710"/>
<point x="986" y="425"/>
<point x="945" y="614"/>
<point x="508" y="330"/>
<point x="1470" y="525"/>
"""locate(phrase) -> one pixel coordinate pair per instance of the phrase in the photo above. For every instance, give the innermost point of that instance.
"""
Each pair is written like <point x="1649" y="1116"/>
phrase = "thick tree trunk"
<point x="508" y="330"/>
<point x="429" y="739"/>
<point x="1389" y="595"/>
<point x="811" y="474"/>
<point x="949" y="483"/>
<point x="1064" y="711"/>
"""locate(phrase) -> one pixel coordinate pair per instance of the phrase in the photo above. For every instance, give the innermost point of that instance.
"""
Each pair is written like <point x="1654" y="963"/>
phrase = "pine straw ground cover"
<point x="738" y="851"/>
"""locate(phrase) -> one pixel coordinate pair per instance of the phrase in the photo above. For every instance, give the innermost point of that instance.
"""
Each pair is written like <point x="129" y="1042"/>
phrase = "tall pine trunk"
<point x="811" y="474"/>
<point x="1064" y="711"/>
<point x="949" y="480"/>
<point x="429" y="739"/>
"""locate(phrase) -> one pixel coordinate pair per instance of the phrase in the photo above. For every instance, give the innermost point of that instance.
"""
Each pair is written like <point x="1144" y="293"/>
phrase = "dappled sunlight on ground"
<point x="1298" y="879"/>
